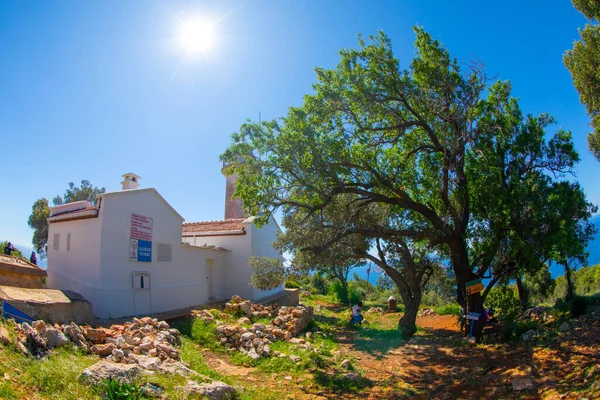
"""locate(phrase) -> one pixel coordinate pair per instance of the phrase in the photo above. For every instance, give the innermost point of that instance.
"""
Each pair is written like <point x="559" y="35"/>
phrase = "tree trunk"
<point x="408" y="323"/>
<point x="570" y="289"/>
<point x="464" y="274"/>
<point x="522" y="294"/>
<point x="345" y="294"/>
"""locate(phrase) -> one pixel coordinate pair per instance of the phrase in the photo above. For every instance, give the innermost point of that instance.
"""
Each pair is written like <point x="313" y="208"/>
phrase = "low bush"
<point x="289" y="284"/>
<point x="503" y="300"/>
<point x="449" y="309"/>
<point x="513" y="330"/>
<point x="117" y="390"/>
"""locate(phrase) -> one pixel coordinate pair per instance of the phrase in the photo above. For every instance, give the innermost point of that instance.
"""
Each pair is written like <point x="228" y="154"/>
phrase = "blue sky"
<point x="94" y="89"/>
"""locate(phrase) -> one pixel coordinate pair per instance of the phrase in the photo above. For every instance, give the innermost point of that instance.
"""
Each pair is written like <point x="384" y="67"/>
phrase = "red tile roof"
<point x="226" y="227"/>
<point x="89" y="208"/>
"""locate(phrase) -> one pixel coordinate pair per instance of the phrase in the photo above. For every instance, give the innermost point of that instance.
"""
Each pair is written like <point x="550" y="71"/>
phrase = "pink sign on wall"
<point x="141" y="227"/>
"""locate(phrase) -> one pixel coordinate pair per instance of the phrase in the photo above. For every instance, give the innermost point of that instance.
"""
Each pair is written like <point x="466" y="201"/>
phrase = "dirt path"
<point x="438" y="364"/>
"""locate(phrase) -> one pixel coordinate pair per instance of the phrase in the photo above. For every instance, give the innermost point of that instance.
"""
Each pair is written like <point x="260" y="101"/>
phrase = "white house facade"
<point x="133" y="255"/>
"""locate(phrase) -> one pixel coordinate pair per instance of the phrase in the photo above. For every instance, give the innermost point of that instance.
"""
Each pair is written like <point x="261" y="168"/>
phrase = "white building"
<point x="133" y="255"/>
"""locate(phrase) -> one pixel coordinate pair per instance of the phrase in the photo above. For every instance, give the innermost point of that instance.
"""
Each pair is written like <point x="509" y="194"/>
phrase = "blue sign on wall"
<point x="144" y="253"/>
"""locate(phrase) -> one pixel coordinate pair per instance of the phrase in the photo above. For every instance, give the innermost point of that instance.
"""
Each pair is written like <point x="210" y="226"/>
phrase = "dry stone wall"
<point x="287" y="323"/>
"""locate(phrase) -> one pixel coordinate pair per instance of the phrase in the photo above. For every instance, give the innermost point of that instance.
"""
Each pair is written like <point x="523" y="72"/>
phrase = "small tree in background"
<point x="38" y="221"/>
<point x="268" y="273"/>
<point x="40" y="211"/>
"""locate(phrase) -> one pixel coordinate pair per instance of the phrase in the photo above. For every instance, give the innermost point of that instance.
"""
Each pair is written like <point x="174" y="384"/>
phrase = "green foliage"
<point x="402" y="159"/>
<point x="350" y="296"/>
<point x="587" y="280"/>
<point x="15" y="253"/>
<point x="200" y="332"/>
<point x="267" y="272"/>
<point x="539" y="285"/>
<point x="117" y="390"/>
<point x="319" y="283"/>
<point x="38" y="221"/>
<point x="513" y="330"/>
<point x="85" y="192"/>
<point x="504" y="301"/>
<point x="583" y="62"/>
<point x="449" y="309"/>
<point x="289" y="284"/>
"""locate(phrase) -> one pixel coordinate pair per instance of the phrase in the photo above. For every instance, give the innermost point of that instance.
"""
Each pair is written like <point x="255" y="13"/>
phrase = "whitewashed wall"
<point x="236" y="272"/>
<point x="174" y="285"/>
<point x="256" y="242"/>
<point x="77" y="269"/>
<point x="98" y="265"/>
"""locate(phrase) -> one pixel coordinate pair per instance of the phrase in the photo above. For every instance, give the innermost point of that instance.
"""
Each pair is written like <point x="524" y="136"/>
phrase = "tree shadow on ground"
<point x="339" y="383"/>
<point x="377" y="342"/>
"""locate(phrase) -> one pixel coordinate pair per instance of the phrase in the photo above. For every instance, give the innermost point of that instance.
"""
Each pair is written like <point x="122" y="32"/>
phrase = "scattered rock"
<point x="427" y="312"/>
<point x="103" y="350"/>
<point x="346" y="364"/>
<point x="95" y="335"/>
<point x="104" y="369"/>
<point x="352" y="376"/>
<point x="246" y="309"/>
<point x="215" y="390"/>
<point x="4" y="336"/>
<point x="55" y="338"/>
<point x="522" y="384"/>
<point x="244" y="321"/>
<point x="564" y="327"/>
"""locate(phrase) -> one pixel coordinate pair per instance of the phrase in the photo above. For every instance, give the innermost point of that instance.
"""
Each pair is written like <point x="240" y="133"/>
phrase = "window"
<point x="141" y="281"/>
<point x="69" y="241"/>
<point x="56" y="241"/>
<point x="164" y="252"/>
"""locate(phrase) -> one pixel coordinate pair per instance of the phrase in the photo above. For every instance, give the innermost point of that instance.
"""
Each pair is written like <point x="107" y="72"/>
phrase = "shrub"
<point x="513" y="330"/>
<point x="449" y="309"/>
<point x="116" y="390"/>
<point x="578" y="306"/>
<point x="289" y="284"/>
<point x="337" y="291"/>
<point x="319" y="283"/>
<point x="267" y="272"/>
<point x="504" y="301"/>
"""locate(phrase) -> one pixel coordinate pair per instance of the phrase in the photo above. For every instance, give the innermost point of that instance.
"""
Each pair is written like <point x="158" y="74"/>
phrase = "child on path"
<point x="356" y="315"/>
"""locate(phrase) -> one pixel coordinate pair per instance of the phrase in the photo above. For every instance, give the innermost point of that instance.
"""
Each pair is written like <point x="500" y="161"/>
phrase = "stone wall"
<point x="20" y="280"/>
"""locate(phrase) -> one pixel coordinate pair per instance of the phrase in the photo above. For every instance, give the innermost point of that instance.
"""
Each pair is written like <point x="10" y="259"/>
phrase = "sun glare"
<point x="196" y="35"/>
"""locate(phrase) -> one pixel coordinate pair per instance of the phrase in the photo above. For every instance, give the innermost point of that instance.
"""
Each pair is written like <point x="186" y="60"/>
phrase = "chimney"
<point x="130" y="181"/>
<point x="234" y="208"/>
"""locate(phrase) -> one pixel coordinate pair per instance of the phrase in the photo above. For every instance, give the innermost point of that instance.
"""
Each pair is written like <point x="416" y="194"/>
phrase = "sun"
<point x="196" y="35"/>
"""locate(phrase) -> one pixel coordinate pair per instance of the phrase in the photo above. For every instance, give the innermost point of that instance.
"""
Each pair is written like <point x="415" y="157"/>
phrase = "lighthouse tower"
<point x="234" y="208"/>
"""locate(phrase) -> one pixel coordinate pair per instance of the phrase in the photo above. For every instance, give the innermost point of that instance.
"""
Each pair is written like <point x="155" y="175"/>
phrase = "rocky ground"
<point x="328" y="359"/>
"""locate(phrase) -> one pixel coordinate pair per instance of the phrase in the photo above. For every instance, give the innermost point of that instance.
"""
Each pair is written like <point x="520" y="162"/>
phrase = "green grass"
<point x="56" y="377"/>
<point x="202" y="333"/>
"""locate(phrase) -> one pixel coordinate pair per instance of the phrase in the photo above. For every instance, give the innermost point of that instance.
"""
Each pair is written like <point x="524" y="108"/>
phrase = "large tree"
<point x="38" y="220"/>
<point x="583" y="62"/>
<point x="316" y="241"/>
<point x="422" y="142"/>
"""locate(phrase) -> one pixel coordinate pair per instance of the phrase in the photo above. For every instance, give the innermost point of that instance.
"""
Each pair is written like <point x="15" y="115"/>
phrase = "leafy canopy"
<point x="583" y="62"/>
